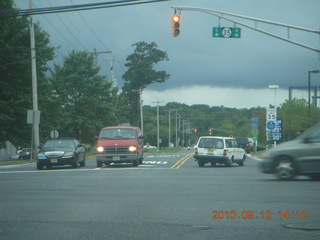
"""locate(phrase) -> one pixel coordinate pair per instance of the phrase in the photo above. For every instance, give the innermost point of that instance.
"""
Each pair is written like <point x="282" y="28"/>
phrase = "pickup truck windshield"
<point x="117" y="133"/>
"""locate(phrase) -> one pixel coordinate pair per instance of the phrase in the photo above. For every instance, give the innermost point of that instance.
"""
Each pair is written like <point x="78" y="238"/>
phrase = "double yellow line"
<point x="179" y="163"/>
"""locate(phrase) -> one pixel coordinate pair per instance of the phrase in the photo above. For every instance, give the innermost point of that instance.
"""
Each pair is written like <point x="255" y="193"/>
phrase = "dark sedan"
<point x="61" y="151"/>
<point x="243" y="142"/>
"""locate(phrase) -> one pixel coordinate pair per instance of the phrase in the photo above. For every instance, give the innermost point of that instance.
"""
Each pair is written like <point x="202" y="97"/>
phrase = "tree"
<point x="15" y="74"/>
<point x="86" y="99"/>
<point x="297" y="117"/>
<point x="141" y="73"/>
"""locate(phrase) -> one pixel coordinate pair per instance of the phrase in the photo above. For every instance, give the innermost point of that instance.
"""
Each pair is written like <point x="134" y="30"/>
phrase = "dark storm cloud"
<point x="254" y="61"/>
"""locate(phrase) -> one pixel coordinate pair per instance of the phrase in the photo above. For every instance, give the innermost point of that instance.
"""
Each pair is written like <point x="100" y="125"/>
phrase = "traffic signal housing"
<point x="210" y="131"/>
<point x="175" y="29"/>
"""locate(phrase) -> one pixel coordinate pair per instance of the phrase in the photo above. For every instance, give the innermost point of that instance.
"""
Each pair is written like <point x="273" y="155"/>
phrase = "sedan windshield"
<point x="59" y="144"/>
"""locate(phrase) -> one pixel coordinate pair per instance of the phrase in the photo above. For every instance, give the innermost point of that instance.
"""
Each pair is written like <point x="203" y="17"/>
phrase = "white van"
<point x="222" y="150"/>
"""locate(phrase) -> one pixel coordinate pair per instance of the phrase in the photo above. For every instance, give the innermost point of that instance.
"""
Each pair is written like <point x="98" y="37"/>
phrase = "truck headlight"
<point x="100" y="149"/>
<point x="132" y="148"/>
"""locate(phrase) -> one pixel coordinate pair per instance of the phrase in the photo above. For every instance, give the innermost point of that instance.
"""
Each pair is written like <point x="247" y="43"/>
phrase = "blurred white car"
<point x="149" y="147"/>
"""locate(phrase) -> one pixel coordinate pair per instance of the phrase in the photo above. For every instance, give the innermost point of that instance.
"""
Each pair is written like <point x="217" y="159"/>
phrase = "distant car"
<point x="244" y="142"/>
<point x="149" y="147"/>
<point x="298" y="157"/>
<point x="212" y="149"/>
<point x="25" y="153"/>
<point x="61" y="151"/>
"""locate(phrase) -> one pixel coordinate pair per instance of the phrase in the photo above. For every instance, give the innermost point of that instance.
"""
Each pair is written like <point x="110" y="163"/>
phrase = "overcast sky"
<point x="204" y="70"/>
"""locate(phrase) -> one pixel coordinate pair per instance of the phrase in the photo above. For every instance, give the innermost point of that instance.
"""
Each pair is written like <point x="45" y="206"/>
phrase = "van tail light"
<point x="196" y="151"/>
<point x="248" y="145"/>
<point x="225" y="152"/>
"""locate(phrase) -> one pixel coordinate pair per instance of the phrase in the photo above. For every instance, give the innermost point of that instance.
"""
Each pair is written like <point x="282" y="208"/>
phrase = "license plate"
<point x="54" y="160"/>
<point x="115" y="158"/>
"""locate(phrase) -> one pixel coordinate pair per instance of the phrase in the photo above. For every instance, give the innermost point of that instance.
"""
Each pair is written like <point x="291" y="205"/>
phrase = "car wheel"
<point x="229" y="162"/>
<point x="201" y="163"/>
<point x="99" y="164"/>
<point x="141" y="160"/>
<point x="39" y="166"/>
<point x="315" y="177"/>
<point x="285" y="168"/>
<point x="135" y="163"/>
<point x="83" y="163"/>
<point x="213" y="164"/>
<point x="75" y="164"/>
<point x="241" y="163"/>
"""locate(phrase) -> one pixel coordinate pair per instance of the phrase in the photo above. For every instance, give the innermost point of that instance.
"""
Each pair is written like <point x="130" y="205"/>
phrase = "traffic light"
<point x="195" y="130"/>
<point x="175" y="25"/>
<point x="210" y="131"/>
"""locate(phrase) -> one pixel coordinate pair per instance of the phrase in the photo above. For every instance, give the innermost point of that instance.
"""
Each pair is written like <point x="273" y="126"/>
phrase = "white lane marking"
<point x="162" y="156"/>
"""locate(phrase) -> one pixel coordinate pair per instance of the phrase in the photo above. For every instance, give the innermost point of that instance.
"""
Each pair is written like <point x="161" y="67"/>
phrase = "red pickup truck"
<point x="120" y="144"/>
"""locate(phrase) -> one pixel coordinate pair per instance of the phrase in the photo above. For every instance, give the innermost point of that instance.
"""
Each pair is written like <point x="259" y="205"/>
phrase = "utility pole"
<point x="113" y="79"/>
<point x="158" y="133"/>
<point x="35" y="124"/>
<point x="169" y="137"/>
<point x="177" y="128"/>
<point x="97" y="53"/>
<point x="141" y="112"/>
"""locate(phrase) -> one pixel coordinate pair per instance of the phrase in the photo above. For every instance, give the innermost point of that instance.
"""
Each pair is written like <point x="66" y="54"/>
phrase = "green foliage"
<point x="141" y="63"/>
<point x="85" y="99"/>
<point x="15" y="74"/>
<point x="297" y="117"/>
<point x="140" y="74"/>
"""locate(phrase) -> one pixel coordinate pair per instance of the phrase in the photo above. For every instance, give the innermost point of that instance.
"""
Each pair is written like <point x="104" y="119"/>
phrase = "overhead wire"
<point x="94" y="34"/>
<point x="81" y="7"/>
<point x="69" y="30"/>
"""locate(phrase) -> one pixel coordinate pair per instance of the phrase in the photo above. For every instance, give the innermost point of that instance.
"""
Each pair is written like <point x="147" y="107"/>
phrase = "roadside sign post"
<point x="273" y="126"/>
<point x="33" y="117"/>
<point x="255" y="131"/>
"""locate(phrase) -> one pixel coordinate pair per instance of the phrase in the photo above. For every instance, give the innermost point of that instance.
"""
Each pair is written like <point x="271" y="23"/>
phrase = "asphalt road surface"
<point x="168" y="197"/>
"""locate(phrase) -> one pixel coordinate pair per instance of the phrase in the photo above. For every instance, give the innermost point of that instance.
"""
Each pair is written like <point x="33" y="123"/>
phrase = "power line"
<point x="71" y="8"/>
<point x="69" y="30"/>
<point x="95" y="35"/>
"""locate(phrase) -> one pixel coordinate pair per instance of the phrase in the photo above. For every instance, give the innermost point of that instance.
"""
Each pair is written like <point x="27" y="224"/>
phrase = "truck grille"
<point x="116" y="150"/>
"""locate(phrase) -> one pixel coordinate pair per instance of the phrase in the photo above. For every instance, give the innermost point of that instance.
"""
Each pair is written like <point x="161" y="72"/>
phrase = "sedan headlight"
<point x="132" y="148"/>
<point x="68" y="154"/>
<point x="41" y="156"/>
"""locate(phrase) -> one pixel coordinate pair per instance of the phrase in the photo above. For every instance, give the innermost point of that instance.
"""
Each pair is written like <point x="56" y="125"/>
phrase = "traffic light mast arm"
<point x="220" y="14"/>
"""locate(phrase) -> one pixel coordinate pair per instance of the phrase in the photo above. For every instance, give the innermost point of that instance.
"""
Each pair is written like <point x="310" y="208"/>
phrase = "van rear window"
<point x="210" y="143"/>
<point x="117" y="133"/>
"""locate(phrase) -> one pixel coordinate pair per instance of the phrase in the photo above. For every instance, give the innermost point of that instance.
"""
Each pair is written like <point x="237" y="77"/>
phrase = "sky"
<point x="203" y="70"/>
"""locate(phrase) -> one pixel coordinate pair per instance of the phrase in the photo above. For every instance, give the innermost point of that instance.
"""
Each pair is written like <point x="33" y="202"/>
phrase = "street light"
<point x="309" y="83"/>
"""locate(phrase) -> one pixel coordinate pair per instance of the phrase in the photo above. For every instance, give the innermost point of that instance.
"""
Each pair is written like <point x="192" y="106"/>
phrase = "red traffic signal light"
<point x="175" y="29"/>
<point x="195" y="130"/>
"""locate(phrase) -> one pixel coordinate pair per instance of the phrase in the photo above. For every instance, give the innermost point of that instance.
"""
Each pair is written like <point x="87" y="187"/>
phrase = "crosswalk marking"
<point x="155" y="162"/>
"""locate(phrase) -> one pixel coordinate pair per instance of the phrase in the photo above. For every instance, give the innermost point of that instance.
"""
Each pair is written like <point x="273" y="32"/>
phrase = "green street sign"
<point x="226" y="32"/>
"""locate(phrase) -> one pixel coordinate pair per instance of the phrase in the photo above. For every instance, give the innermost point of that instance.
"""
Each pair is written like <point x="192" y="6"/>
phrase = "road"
<point x="168" y="197"/>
